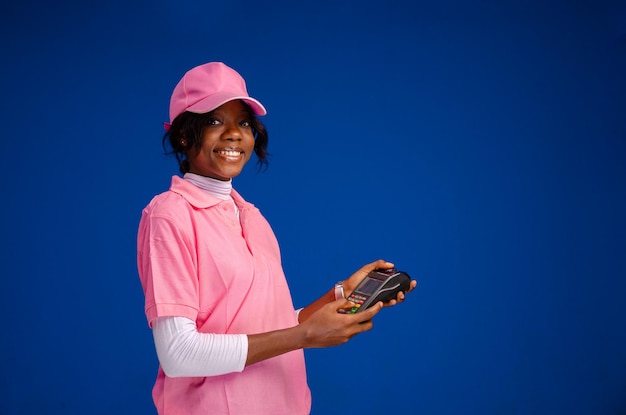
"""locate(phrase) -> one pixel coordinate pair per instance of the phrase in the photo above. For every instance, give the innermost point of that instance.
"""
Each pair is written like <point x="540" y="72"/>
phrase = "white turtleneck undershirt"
<point x="218" y="188"/>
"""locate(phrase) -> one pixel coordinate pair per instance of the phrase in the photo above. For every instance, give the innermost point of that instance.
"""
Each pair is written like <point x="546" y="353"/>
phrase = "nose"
<point x="232" y="132"/>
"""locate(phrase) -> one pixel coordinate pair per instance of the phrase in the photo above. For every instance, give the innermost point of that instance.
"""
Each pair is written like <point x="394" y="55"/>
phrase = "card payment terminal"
<point x="379" y="285"/>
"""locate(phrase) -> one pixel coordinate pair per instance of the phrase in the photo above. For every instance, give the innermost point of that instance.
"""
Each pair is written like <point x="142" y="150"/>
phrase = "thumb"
<point x="341" y="303"/>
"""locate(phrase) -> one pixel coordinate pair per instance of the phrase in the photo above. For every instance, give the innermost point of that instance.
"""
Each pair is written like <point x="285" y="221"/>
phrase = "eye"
<point x="246" y="123"/>
<point x="214" y="121"/>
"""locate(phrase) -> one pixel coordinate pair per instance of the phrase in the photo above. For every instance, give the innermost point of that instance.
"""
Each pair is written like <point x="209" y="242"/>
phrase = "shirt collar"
<point x="199" y="198"/>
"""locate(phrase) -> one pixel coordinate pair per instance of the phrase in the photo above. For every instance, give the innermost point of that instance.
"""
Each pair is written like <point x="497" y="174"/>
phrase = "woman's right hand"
<point x="324" y="327"/>
<point x="327" y="327"/>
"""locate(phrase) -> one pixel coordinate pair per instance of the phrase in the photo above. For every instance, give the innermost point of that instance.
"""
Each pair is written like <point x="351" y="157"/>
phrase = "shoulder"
<point x="181" y="198"/>
<point x="166" y="213"/>
<point x="166" y="204"/>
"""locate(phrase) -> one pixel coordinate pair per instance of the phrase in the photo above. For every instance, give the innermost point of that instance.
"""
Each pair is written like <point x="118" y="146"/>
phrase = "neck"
<point x="218" y="188"/>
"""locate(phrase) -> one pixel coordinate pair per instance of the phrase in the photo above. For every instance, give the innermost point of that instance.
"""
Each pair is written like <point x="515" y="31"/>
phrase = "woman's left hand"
<point x="355" y="279"/>
<point x="401" y="295"/>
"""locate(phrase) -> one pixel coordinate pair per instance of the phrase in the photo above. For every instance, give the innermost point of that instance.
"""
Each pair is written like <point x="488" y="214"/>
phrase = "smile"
<point x="230" y="153"/>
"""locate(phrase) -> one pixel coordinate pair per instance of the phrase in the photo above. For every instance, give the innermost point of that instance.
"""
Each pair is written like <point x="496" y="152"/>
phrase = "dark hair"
<point x="190" y="126"/>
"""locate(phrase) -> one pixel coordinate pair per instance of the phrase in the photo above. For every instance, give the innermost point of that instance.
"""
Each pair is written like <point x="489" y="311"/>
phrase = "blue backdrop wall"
<point x="481" y="146"/>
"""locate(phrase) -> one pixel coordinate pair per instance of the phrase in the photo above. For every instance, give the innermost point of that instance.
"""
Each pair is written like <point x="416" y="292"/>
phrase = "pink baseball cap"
<point x="206" y="87"/>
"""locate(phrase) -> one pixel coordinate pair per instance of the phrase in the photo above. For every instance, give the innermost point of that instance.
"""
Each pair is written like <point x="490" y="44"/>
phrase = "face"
<point x="227" y="143"/>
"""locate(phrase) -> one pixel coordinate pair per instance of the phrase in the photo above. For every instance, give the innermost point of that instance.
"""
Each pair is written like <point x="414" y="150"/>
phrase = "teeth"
<point x="230" y="153"/>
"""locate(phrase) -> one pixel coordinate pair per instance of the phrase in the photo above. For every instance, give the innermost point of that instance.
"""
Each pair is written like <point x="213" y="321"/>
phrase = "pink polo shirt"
<point x="196" y="260"/>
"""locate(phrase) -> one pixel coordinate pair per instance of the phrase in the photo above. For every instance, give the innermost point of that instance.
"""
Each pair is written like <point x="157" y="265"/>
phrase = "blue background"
<point x="481" y="146"/>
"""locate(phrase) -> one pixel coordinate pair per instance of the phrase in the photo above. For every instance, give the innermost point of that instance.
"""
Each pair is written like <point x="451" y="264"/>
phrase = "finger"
<point x="380" y="264"/>
<point x="369" y="313"/>
<point x="365" y="326"/>
<point x="390" y="303"/>
<point x="341" y="303"/>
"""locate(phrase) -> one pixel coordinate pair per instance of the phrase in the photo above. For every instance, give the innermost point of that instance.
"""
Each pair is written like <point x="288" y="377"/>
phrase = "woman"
<point x="226" y="333"/>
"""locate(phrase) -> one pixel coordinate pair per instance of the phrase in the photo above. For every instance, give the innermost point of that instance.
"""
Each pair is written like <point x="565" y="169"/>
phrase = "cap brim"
<point x="210" y="103"/>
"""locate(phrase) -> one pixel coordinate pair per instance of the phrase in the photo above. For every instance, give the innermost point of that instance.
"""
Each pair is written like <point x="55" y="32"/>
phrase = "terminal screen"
<point x="369" y="285"/>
